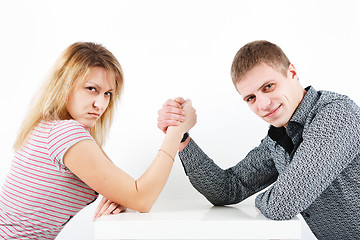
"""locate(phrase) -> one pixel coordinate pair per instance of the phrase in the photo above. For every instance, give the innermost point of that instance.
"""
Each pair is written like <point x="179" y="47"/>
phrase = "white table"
<point x="197" y="219"/>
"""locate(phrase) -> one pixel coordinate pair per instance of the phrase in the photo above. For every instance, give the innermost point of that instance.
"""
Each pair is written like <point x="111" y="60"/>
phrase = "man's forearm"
<point x="223" y="187"/>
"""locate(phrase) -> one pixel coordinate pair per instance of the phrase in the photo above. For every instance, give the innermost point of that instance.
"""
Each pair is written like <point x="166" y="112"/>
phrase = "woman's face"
<point x="89" y="99"/>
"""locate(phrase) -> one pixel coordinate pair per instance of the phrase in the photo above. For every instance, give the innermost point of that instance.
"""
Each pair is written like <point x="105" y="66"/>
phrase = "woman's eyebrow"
<point x="99" y="87"/>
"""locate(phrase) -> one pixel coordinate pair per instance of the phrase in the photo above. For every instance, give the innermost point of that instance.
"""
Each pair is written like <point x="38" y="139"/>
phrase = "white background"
<point x="169" y="49"/>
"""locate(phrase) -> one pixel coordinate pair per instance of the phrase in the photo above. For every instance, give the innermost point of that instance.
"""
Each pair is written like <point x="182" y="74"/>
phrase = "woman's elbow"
<point x="144" y="209"/>
<point x="143" y="205"/>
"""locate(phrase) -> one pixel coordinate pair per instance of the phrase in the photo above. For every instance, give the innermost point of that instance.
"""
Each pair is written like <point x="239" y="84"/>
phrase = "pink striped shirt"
<point x="40" y="194"/>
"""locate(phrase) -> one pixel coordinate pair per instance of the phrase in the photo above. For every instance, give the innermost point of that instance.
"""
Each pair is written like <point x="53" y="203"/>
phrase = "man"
<point x="310" y="155"/>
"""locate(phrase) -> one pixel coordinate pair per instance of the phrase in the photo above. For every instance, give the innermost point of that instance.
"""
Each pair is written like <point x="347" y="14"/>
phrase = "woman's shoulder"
<point x="61" y="124"/>
<point x="58" y="128"/>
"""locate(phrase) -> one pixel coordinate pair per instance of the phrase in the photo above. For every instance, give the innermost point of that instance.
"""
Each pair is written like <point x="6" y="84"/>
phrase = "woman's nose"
<point x="101" y="103"/>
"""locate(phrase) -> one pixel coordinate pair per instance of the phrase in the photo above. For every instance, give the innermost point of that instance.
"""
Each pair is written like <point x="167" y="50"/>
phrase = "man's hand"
<point x="190" y="116"/>
<point x="107" y="207"/>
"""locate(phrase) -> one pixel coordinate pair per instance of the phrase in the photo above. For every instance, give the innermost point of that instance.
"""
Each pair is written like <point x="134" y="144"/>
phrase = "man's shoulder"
<point x="329" y="96"/>
<point x="334" y="106"/>
<point x="336" y="100"/>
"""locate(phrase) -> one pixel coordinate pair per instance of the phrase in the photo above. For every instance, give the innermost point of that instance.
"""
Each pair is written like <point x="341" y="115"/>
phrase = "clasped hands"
<point x="177" y="113"/>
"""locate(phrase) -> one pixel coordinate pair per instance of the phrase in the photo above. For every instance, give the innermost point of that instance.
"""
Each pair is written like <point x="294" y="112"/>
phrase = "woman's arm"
<point x="86" y="160"/>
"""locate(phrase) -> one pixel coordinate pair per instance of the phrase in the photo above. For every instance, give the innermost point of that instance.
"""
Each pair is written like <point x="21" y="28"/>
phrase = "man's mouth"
<point x="272" y="112"/>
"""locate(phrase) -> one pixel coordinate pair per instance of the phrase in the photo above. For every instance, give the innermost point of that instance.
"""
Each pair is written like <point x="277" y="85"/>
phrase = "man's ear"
<point x="292" y="71"/>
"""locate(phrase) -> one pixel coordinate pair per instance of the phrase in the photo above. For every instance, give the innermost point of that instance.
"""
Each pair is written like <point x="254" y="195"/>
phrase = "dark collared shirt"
<point x="313" y="166"/>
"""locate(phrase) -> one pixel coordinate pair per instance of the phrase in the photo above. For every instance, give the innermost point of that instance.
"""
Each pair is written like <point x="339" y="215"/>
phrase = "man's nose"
<point x="263" y="102"/>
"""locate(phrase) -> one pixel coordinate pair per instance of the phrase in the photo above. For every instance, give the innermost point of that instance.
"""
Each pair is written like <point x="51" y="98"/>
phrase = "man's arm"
<point x="222" y="187"/>
<point x="329" y="144"/>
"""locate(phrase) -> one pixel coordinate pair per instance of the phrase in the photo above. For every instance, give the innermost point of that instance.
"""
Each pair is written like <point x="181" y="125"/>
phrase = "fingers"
<point x="171" y="114"/>
<point x="168" y="114"/>
<point x="99" y="207"/>
<point x="190" y="116"/>
<point x="175" y="112"/>
<point x="179" y="100"/>
<point x="164" y="124"/>
<point x="171" y="110"/>
<point x="107" y="207"/>
<point x="102" y="209"/>
<point x="174" y="102"/>
<point x="187" y="103"/>
<point x="118" y="209"/>
<point x="110" y="208"/>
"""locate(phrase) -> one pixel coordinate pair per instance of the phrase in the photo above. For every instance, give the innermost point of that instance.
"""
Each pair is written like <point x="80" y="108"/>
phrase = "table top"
<point x="196" y="219"/>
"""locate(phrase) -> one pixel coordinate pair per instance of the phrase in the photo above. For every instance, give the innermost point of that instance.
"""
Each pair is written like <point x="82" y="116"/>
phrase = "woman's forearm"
<point x="151" y="183"/>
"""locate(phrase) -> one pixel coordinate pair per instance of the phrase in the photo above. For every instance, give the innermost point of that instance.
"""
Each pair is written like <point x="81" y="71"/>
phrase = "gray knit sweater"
<point x="313" y="164"/>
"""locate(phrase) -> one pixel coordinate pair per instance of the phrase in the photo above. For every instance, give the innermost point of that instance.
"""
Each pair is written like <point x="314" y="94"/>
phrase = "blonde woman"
<point x="59" y="165"/>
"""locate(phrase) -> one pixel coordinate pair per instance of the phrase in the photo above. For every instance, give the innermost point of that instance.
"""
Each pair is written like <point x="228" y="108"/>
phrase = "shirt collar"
<point x="302" y="112"/>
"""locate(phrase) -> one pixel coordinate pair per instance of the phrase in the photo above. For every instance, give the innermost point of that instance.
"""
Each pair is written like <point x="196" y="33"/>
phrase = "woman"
<point x="59" y="165"/>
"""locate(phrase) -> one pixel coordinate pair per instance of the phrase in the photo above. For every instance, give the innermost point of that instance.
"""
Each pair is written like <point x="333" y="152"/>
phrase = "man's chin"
<point x="278" y="123"/>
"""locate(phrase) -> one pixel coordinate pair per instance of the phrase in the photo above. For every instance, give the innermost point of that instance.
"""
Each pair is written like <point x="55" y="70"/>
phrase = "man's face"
<point x="271" y="95"/>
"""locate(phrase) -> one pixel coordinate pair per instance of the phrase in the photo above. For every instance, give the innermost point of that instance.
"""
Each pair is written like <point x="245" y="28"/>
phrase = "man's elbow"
<point x="278" y="215"/>
<point x="275" y="210"/>
<point x="216" y="201"/>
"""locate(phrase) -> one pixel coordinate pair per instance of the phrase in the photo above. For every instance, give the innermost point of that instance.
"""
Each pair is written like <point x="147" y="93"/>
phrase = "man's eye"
<point x="269" y="86"/>
<point x="249" y="99"/>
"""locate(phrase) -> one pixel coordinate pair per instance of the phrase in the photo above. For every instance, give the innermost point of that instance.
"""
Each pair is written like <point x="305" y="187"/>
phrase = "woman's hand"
<point x="107" y="207"/>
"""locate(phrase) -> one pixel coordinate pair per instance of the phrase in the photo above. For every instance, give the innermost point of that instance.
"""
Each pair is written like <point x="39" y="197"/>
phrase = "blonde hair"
<point x="70" y="69"/>
<point x="254" y="53"/>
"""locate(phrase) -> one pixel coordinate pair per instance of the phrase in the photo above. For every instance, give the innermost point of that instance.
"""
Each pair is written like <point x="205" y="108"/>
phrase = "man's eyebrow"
<point x="266" y="83"/>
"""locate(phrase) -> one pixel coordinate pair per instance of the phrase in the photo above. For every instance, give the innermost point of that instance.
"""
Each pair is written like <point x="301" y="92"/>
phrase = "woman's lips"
<point x="94" y="115"/>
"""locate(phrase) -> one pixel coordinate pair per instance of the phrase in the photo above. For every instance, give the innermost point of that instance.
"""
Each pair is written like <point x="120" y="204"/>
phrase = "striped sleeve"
<point x="62" y="136"/>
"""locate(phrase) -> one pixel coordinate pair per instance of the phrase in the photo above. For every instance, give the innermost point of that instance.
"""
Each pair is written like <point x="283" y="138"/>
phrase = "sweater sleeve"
<point x="330" y="143"/>
<point x="222" y="187"/>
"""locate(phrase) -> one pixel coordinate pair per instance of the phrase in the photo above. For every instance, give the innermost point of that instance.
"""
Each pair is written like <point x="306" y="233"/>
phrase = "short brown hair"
<point x="254" y="53"/>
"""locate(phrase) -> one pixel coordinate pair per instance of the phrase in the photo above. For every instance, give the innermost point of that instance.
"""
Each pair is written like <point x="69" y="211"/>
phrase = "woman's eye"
<point x="91" y="89"/>
<point x="109" y="94"/>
